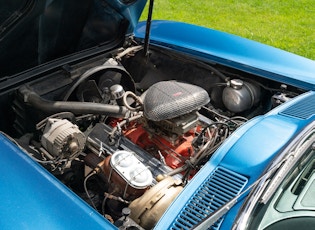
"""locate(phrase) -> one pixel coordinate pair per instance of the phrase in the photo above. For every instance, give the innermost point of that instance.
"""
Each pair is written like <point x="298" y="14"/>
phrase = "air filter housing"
<point x="170" y="99"/>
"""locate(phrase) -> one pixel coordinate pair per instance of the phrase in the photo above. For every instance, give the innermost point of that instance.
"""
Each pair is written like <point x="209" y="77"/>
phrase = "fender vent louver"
<point x="303" y="109"/>
<point x="219" y="188"/>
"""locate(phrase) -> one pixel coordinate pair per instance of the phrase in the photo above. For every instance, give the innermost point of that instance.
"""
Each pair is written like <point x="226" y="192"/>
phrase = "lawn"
<point x="286" y="24"/>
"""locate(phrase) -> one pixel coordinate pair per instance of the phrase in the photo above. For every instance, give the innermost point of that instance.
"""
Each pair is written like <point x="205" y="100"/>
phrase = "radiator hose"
<point x="33" y="99"/>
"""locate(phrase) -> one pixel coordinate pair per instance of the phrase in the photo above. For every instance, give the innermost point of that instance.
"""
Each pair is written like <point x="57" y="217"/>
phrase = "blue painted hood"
<point x="35" y="32"/>
<point x="31" y="198"/>
<point x="233" y="51"/>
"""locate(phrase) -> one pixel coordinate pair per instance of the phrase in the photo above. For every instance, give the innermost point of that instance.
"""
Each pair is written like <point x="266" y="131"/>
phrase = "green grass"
<point x="286" y="24"/>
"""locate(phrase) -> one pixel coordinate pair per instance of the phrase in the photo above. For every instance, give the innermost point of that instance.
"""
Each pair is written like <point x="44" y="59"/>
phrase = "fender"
<point x="247" y="152"/>
<point x="32" y="198"/>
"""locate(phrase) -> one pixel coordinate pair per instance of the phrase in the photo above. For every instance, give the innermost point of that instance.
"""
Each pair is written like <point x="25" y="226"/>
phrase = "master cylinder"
<point x="127" y="176"/>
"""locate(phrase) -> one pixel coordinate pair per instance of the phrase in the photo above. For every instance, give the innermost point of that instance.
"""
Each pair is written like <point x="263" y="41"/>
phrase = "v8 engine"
<point x="127" y="136"/>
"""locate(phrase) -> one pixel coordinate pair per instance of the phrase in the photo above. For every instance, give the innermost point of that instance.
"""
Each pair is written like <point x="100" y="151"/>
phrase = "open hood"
<point x="108" y="123"/>
<point x="33" y="32"/>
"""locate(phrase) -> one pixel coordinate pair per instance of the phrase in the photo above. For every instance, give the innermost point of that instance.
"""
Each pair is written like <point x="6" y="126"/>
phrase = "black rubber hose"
<point x="75" y="107"/>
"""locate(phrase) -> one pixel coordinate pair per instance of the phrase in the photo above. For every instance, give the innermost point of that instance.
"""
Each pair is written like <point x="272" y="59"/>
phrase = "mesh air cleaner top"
<point x="170" y="99"/>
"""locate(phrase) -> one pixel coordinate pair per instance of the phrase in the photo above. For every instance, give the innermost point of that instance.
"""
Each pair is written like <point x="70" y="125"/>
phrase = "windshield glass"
<point x="292" y="205"/>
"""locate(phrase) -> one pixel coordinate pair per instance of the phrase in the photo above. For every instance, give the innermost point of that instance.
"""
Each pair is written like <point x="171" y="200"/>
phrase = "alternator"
<point x="63" y="139"/>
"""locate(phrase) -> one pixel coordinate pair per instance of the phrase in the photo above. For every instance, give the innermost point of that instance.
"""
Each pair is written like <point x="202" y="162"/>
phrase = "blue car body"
<point x="243" y="159"/>
<point x="32" y="197"/>
<point x="233" y="51"/>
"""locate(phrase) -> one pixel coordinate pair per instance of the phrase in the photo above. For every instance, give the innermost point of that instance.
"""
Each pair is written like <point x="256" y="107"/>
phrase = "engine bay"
<point x="126" y="132"/>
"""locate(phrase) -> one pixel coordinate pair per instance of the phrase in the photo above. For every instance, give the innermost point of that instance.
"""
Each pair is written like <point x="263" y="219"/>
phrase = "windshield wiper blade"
<point x="216" y="215"/>
<point x="290" y="159"/>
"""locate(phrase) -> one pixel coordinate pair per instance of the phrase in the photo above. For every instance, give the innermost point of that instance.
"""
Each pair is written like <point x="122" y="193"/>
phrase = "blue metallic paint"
<point x="233" y="51"/>
<point x="31" y="198"/>
<point x="248" y="151"/>
<point x="131" y="12"/>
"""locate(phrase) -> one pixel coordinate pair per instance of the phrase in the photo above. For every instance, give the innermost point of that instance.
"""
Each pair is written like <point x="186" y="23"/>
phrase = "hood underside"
<point x="33" y="32"/>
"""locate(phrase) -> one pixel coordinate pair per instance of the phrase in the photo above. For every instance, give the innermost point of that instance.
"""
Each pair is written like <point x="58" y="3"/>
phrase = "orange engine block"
<point x="174" y="151"/>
